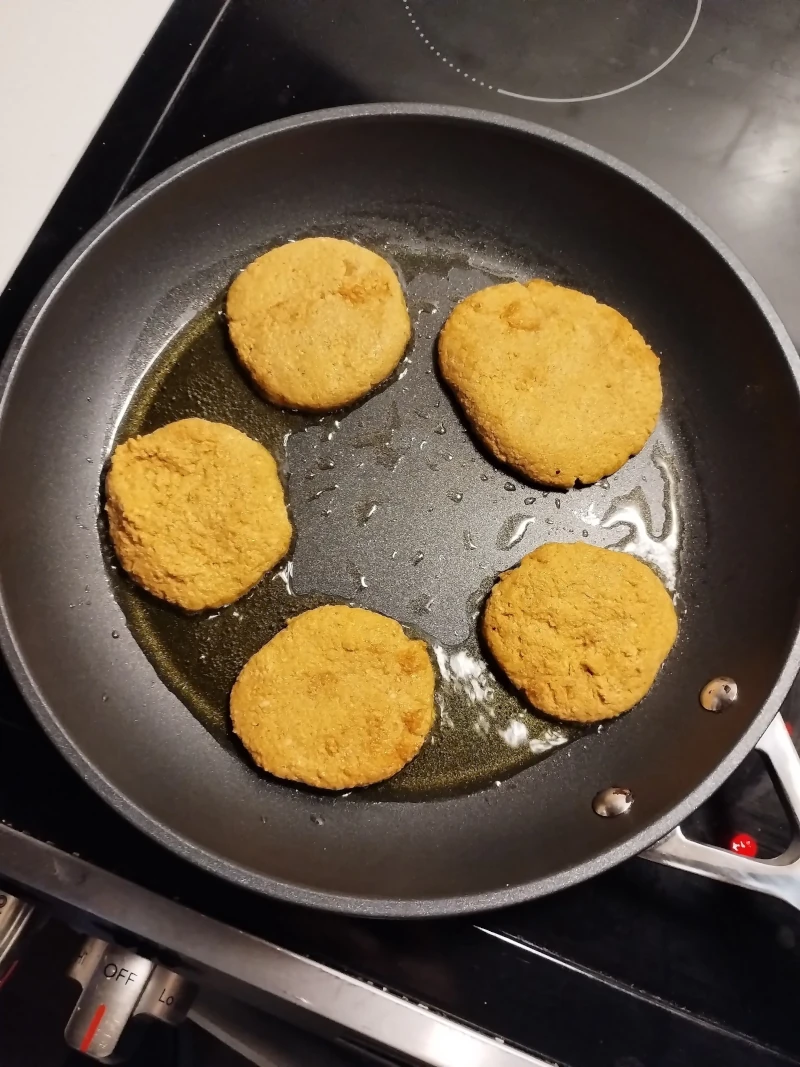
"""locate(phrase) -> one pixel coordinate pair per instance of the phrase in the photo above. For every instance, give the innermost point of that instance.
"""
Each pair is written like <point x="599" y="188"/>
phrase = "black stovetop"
<point x="643" y="965"/>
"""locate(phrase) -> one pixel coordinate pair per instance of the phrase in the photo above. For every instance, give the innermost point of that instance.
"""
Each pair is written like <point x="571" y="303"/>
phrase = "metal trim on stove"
<point x="293" y="987"/>
<point x="389" y="1027"/>
<point x="779" y="877"/>
<point x="317" y="997"/>
<point x="264" y="1040"/>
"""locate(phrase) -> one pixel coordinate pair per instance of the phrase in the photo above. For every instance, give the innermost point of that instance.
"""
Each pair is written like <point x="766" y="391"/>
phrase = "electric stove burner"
<point x="554" y="51"/>
<point x="667" y="967"/>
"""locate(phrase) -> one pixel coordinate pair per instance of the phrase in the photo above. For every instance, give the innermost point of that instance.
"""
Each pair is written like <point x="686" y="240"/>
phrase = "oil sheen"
<point x="395" y="509"/>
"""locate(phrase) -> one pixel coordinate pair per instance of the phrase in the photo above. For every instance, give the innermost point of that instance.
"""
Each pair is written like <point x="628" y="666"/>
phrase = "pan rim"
<point x="247" y="878"/>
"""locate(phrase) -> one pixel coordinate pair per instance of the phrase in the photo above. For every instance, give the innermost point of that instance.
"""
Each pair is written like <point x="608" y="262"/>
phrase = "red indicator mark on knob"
<point x="5" y="977"/>
<point x="91" y="1029"/>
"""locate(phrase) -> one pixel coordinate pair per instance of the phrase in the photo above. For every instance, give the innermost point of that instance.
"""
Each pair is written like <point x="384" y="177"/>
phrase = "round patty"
<point x="582" y="631"/>
<point x="318" y="323"/>
<point x="558" y="386"/>
<point x="340" y="698"/>
<point x="196" y="512"/>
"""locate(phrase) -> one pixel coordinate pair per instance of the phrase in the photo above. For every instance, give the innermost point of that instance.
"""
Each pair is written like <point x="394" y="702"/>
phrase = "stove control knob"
<point x="84" y="964"/>
<point x="167" y="996"/>
<point x="15" y="919"/>
<point x="118" y="987"/>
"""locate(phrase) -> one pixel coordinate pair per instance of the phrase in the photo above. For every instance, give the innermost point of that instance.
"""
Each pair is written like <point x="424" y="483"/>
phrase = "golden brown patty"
<point x="340" y="698"/>
<point x="196" y="512"/>
<point x="318" y="323"/>
<point x="582" y="631"/>
<point x="558" y="386"/>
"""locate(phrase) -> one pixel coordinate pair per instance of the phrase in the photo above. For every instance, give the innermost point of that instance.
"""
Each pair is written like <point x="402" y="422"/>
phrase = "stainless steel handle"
<point x="779" y="877"/>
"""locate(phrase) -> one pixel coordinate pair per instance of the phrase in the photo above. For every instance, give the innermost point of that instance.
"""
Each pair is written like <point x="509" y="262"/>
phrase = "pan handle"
<point x="780" y="877"/>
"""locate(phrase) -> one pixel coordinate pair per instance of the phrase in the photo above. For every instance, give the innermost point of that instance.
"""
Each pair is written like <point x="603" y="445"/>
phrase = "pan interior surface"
<point x="397" y="509"/>
<point x="352" y="507"/>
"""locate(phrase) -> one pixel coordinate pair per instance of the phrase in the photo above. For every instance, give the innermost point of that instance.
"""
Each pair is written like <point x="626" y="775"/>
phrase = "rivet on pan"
<point x="719" y="694"/>
<point x="617" y="800"/>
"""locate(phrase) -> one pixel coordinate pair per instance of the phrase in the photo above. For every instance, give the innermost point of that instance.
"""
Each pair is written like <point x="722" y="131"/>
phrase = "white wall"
<point x="62" y="63"/>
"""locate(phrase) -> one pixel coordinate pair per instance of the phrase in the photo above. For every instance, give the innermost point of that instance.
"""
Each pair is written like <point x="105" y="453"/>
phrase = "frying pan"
<point x="456" y="199"/>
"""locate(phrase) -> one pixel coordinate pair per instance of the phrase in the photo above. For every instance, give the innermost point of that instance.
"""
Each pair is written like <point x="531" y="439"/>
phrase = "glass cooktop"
<point x="643" y="965"/>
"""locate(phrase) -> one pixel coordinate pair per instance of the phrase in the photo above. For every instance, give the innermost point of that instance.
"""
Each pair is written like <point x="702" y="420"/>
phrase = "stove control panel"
<point x="15" y="921"/>
<point x="121" y="988"/>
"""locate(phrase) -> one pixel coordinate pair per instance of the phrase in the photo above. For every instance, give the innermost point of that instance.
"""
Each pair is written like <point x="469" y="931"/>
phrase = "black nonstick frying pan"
<point x="397" y="508"/>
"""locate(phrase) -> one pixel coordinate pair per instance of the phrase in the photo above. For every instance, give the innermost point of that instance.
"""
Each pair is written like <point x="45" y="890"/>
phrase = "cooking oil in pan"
<point x="363" y="487"/>
<point x="660" y="550"/>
